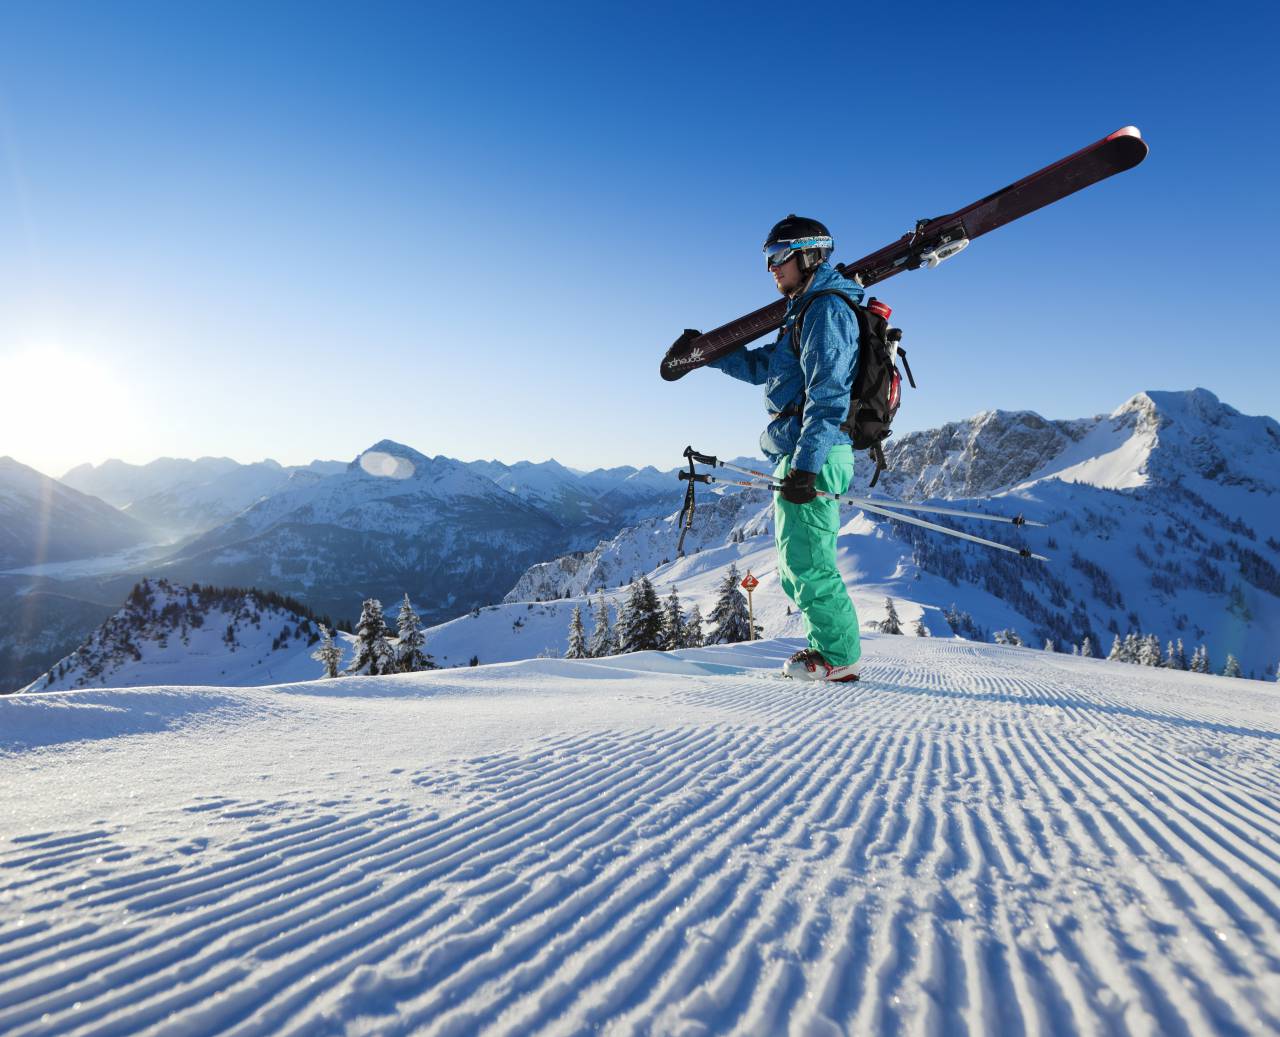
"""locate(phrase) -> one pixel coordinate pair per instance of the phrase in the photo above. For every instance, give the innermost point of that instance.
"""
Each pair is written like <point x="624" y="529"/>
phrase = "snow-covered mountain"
<point x="166" y="633"/>
<point x="41" y="520"/>
<point x="178" y="497"/>
<point x="1163" y="517"/>
<point x="393" y="522"/>
<point x="561" y="492"/>
<point x="594" y="503"/>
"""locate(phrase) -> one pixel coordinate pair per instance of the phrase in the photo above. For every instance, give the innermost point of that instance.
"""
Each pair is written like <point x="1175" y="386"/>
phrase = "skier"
<point x="807" y="392"/>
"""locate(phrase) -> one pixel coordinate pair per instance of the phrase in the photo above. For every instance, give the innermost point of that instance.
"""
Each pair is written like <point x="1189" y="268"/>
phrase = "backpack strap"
<point x="804" y="308"/>
<point x="797" y="409"/>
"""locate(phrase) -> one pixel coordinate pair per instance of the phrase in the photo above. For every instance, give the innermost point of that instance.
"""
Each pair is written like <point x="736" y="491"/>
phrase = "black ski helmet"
<point x="802" y="229"/>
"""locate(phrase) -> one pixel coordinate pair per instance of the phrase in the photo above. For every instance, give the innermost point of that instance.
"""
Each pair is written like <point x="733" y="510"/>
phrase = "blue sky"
<point x="289" y="231"/>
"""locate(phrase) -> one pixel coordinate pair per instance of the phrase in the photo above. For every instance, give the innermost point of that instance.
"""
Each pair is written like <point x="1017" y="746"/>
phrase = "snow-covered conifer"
<point x="1149" y="651"/>
<point x="1117" y="651"/>
<point x="1130" y="650"/>
<point x="640" y="620"/>
<point x="410" y="657"/>
<point x="577" y="636"/>
<point x="693" y="628"/>
<point x="1200" y="660"/>
<point x="373" y="655"/>
<point x="920" y="629"/>
<point x="672" y="622"/>
<point x="729" y="615"/>
<point x="1075" y="649"/>
<point x="1049" y="645"/>
<point x="328" y="654"/>
<point x="1086" y="648"/>
<point x="1008" y="637"/>
<point x="891" y="624"/>
<point x="602" y="641"/>
<point x="1180" y="656"/>
<point x="1232" y="667"/>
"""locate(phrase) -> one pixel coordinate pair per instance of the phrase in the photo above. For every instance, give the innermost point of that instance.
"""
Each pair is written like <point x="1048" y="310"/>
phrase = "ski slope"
<point x="973" y="839"/>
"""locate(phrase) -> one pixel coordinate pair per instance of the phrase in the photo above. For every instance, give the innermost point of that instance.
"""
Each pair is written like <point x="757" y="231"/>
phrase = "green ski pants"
<point x="806" y="538"/>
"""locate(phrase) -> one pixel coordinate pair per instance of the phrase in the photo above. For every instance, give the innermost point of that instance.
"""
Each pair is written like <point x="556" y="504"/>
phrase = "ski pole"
<point x="1017" y="520"/>
<point x="1022" y="552"/>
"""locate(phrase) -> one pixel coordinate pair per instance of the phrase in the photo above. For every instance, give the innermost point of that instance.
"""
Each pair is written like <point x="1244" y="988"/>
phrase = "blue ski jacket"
<point x="822" y="376"/>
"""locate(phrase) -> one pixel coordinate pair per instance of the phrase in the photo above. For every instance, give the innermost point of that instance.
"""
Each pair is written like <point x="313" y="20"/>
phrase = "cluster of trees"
<point x="1144" y="650"/>
<point x="646" y="624"/>
<point x="375" y="651"/>
<point x="1141" y="650"/>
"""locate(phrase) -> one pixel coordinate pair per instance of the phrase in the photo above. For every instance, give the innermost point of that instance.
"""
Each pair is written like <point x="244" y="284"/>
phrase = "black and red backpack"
<point x="877" y="385"/>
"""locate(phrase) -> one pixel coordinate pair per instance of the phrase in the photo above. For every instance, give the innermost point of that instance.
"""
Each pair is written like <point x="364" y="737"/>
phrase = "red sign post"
<point x="750" y="583"/>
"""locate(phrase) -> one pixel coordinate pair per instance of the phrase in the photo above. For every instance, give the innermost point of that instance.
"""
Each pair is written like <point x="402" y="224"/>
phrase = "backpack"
<point x="877" y="385"/>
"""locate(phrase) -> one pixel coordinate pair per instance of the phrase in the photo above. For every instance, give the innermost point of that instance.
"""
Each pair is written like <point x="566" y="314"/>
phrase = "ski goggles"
<point x="778" y="252"/>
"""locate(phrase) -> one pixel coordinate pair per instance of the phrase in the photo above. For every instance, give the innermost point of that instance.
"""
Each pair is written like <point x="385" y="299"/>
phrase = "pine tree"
<point x="1129" y="652"/>
<point x="693" y="628"/>
<point x="1049" y="645"/>
<point x="373" y="655"/>
<point x="921" y="630"/>
<point x="640" y="620"/>
<point x="410" y="657"/>
<point x="673" y="635"/>
<point x="1200" y="660"/>
<point x="1205" y="665"/>
<point x="602" y="641"/>
<point x="1117" y="651"/>
<point x="729" y="615"/>
<point x="328" y="654"/>
<point x="1008" y="637"/>
<point x="1180" y="656"/>
<point x="891" y="624"/>
<point x="1086" y="648"/>
<point x="577" y="637"/>
<point x="1149" y="652"/>
<point x="1232" y="668"/>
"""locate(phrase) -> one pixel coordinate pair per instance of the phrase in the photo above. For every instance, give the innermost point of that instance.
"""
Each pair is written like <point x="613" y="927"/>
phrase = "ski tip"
<point x="1126" y="131"/>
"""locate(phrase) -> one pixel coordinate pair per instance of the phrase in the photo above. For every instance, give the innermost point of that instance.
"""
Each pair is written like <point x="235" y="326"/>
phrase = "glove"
<point x="798" y="486"/>
<point x="671" y="367"/>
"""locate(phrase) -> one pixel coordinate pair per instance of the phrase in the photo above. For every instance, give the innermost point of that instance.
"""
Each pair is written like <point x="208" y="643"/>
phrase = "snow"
<point x="971" y="839"/>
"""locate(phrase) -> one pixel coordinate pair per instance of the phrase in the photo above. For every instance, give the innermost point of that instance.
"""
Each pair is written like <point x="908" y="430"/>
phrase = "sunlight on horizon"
<point x="61" y="407"/>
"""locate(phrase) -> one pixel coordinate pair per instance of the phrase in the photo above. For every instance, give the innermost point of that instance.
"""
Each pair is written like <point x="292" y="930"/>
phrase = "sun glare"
<point x="59" y="407"/>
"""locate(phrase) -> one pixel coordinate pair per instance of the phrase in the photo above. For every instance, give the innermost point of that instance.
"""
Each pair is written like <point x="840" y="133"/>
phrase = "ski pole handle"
<point x="693" y="455"/>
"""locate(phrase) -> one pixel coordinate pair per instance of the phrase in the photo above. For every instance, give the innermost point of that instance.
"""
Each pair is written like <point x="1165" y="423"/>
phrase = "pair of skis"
<point x="931" y="242"/>
<point x="887" y="508"/>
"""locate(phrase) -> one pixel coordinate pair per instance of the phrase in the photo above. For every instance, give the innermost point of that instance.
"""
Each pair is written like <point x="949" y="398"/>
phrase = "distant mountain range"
<point x="454" y="535"/>
<point x="42" y="520"/>
<point x="1161" y="516"/>
<point x="178" y="498"/>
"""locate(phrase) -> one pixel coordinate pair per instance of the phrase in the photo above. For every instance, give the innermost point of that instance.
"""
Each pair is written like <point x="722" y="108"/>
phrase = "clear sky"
<point x="291" y="230"/>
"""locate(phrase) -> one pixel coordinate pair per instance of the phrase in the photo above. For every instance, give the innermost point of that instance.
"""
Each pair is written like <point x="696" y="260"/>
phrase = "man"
<point x="807" y="396"/>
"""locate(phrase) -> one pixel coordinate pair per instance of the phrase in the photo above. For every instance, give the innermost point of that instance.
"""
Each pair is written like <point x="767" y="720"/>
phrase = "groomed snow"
<point x="973" y="839"/>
